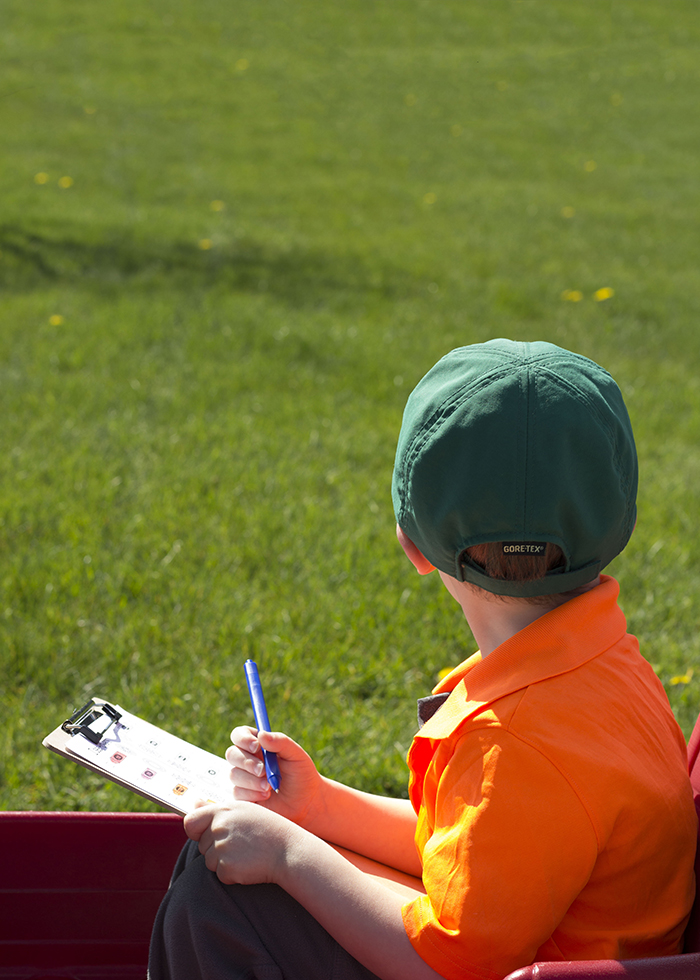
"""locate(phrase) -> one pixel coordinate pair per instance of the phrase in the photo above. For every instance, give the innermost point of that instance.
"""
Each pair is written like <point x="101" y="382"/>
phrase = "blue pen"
<point x="252" y="677"/>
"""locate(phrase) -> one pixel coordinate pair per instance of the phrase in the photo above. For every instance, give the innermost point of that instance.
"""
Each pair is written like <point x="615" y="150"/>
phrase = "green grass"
<point x="196" y="457"/>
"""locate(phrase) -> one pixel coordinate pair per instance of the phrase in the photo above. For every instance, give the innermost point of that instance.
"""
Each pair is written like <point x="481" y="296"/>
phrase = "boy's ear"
<point x="416" y="557"/>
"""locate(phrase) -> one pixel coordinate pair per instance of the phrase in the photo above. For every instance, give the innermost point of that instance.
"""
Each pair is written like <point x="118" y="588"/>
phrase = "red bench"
<point x="79" y="892"/>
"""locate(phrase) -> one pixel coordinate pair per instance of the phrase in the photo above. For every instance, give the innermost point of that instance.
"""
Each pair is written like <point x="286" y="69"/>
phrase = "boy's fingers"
<point x="197" y="821"/>
<point x="243" y="795"/>
<point x="249" y="775"/>
<point x="244" y="761"/>
<point x="249" y="741"/>
<point x="245" y="739"/>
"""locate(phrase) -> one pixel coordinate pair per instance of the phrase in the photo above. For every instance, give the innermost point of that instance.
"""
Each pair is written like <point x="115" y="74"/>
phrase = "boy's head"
<point x="525" y="445"/>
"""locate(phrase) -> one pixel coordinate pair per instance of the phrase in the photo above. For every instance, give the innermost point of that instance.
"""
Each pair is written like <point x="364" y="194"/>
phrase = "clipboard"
<point x="117" y="745"/>
<point x="169" y="771"/>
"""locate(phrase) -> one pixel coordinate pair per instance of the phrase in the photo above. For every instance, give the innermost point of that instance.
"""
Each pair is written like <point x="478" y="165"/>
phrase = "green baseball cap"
<point x="521" y="443"/>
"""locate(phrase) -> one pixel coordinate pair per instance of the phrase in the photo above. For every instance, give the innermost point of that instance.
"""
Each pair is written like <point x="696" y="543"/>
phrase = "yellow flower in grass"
<point x="683" y="678"/>
<point x="572" y="295"/>
<point x="41" y="178"/>
<point x="217" y="205"/>
<point x="442" y="674"/>
<point x="602" y="294"/>
<point x="205" y="244"/>
<point x="56" y="319"/>
<point x="65" y="182"/>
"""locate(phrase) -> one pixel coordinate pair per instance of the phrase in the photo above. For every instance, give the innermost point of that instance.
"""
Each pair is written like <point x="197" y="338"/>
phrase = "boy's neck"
<point x="494" y="619"/>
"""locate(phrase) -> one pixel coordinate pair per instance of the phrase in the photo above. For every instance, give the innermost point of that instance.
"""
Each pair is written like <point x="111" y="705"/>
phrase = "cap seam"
<point x="524" y="471"/>
<point x="440" y="414"/>
<point x="603" y="422"/>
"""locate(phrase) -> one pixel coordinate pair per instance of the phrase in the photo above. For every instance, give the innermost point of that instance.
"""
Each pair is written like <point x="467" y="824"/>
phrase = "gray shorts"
<point x="208" y="931"/>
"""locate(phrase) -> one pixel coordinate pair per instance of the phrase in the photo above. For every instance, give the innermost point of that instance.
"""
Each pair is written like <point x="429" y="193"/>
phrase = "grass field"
<point x="232" y="238"/>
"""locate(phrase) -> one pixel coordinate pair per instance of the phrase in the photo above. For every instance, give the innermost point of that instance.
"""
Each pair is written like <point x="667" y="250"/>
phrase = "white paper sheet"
<point x="165" y="767"/>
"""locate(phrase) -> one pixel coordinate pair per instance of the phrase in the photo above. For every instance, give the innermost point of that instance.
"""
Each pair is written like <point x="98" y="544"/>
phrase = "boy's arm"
<point x="378" y="827"/>
<point x="244" y="844"/>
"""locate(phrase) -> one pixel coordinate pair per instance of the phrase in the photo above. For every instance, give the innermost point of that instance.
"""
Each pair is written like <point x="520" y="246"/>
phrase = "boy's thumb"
<point x="269" y="740"/>
<point x="280" y="743"/>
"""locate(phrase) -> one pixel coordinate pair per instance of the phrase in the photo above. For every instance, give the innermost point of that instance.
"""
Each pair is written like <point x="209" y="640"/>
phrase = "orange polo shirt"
<point x="555" y="813"/>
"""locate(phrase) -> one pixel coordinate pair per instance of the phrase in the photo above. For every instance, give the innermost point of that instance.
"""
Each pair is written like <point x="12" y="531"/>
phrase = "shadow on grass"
<point x="31" y="259"/>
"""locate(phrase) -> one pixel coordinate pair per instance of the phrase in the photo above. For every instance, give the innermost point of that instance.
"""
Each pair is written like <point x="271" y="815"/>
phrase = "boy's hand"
<point x="241" y="843"/>
<point x="300" y="782"/>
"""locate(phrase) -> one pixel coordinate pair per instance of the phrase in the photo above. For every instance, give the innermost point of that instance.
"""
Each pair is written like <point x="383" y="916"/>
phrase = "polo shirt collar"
<point x="561" y="640"/>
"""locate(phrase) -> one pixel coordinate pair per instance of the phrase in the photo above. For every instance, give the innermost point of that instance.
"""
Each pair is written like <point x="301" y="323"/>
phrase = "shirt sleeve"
<point x="507" y="847"/>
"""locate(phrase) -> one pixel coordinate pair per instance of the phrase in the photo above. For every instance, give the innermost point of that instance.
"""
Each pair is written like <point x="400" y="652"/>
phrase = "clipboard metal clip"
<point x="93" y="713"/>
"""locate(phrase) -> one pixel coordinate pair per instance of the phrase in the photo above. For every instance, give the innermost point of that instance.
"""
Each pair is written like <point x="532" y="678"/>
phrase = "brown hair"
<point x="496" y="563"/>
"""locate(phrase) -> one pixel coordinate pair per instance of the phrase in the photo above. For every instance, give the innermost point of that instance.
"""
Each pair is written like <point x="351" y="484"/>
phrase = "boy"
<point x="550" y="811"/>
